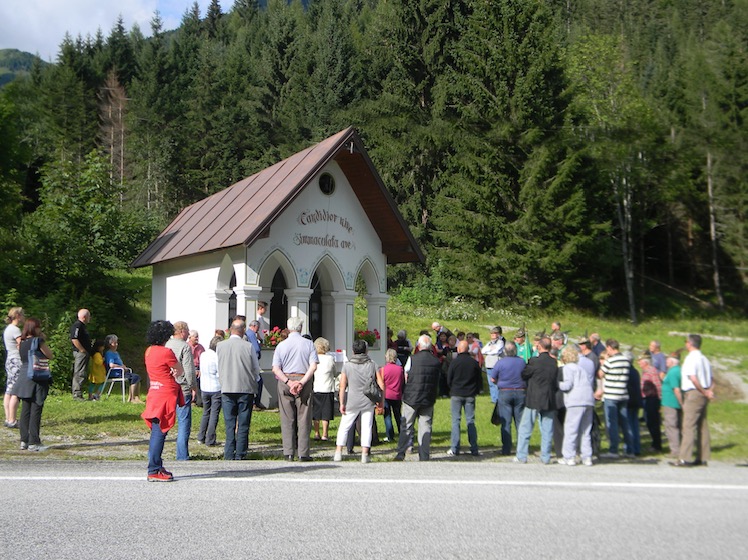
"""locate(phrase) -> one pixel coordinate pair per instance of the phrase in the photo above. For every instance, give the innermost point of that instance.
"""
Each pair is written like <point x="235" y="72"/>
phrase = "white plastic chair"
<point x="117" y="375"/>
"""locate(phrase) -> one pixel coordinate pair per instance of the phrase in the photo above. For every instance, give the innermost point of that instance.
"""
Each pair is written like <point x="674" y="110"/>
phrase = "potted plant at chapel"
<point x="273" y="337"/>
<point x="371" y="337"/>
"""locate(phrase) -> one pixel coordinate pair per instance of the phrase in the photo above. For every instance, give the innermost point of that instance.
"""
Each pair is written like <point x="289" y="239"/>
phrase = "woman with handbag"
<point x="359" y="376"/>
<point x="30" y="388"/>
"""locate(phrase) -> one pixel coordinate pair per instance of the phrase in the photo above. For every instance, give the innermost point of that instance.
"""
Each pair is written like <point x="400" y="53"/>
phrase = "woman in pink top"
<point x="394" y="379"/>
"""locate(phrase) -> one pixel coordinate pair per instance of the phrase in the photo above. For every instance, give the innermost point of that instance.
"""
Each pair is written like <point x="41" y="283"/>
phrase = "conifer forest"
<point x="579" y="153"/>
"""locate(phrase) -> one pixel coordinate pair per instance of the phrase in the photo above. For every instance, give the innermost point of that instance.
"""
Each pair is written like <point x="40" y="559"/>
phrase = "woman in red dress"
<point x="164" y="395"/>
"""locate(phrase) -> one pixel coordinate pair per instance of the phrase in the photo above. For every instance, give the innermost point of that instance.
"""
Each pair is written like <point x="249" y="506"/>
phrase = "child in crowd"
<point x="96" y="372"/>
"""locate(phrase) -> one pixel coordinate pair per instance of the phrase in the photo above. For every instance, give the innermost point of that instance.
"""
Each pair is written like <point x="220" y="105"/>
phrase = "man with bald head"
<point x="81" y="342"/>
<point x="465" y="381"/>
<point x="294" y="363"/>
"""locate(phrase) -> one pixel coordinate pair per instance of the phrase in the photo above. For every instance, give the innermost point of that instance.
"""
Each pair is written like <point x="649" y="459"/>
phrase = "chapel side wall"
<point x="188" y="290"/>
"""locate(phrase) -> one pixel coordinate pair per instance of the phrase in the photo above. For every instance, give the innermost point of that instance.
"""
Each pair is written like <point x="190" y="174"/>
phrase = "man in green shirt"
<point x="524" y="348"/>
<point x="672" y="403"/>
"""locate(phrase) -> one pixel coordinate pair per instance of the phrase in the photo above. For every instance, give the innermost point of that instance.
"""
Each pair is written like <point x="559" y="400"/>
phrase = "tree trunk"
<point x="713" y="229"/>
<point x="623" y="210"/>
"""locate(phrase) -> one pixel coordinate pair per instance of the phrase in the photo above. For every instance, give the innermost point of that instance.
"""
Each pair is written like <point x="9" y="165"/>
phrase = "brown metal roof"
<point x="239" y="214"/>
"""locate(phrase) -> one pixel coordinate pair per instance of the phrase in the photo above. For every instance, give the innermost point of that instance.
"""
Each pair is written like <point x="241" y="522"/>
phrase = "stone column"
<point x="250" y="295"/>
<point x="298" y="305"/>
<point x="343" y="302"/>
<point x="376" y="307"/>
<point x="221" y="309"/>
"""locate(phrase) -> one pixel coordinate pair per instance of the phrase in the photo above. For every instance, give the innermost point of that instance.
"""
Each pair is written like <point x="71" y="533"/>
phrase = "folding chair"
<point x="117" y="375"/>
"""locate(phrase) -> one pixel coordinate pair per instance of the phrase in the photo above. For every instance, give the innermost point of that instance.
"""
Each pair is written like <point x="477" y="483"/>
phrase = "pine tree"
<point x="120" y="54"/>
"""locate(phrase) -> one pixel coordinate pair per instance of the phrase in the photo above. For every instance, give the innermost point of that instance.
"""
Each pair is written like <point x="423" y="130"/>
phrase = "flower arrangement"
<point x="272" y="337"/>
<point x="370" y="337"/>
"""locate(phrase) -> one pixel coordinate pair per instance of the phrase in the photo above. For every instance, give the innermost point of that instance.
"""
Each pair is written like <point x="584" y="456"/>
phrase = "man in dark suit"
<point x="465" y="380"/>
<point x="238" y="369"/>
<point x="541" y="375"/>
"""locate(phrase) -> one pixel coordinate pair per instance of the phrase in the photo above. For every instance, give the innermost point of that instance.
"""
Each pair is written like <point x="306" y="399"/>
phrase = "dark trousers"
<point x="31" y="414"/>
<point x="558" y="432"/>
<point x="31" y="421"/>
<point x="652" y="416"/>
<point x="237" y="414"/>
<point x="258" y="396"/>
<point x="391" y="417"/>
<point x="212" y="403"/>
<point x="80" y="372"/>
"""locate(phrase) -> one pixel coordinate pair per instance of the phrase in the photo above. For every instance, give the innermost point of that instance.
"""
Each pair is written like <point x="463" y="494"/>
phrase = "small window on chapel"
<point x="327" y="184"/>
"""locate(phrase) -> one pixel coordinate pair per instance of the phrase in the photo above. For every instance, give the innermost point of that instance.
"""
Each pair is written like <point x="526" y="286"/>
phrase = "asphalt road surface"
<point x="440" y="509"/>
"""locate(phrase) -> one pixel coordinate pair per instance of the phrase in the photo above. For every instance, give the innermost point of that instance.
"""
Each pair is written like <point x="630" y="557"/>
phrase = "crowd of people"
<point x="552" y="381"/>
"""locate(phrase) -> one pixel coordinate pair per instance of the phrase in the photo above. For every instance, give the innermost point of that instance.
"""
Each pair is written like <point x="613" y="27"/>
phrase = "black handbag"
<point x="495" y="418"/>
<point x="372" y="390"/>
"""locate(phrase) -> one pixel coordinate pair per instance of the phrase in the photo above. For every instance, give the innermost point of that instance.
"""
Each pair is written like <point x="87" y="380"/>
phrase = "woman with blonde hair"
<point x="578" y="387"/>
<point x="12" y="339"/>
<point x="323" y="409"/>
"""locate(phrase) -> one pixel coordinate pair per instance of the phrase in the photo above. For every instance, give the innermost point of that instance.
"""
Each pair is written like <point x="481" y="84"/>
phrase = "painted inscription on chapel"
<point x="309" y="218"/>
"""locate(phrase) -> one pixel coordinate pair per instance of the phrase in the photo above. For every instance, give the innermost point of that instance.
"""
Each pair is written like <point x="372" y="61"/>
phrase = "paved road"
<point x="441" y="509"/>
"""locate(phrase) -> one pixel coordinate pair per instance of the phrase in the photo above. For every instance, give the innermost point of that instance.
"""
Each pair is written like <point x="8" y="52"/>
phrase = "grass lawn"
<point x="113" y="430"/>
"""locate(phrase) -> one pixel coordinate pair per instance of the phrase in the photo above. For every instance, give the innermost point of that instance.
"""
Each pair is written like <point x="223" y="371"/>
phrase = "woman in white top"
<point x="323" y="409"/>
<point x="210" y="387"/>
<point x="12" y="338"/>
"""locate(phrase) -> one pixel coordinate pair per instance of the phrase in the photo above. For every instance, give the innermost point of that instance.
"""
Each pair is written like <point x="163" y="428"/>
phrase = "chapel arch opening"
<point x="278" y="301"/>
<point x="326" y="281"/>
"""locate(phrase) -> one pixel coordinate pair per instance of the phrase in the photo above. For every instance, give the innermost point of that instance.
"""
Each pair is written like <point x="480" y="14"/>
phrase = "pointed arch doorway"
<point x="315" y="308"/>
<point x="279" y="301"/>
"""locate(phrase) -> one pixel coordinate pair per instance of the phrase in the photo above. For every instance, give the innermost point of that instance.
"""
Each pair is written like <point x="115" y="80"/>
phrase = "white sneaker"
<point x="587" y="462"/>
<point x="610" y="456"/>
<point x="365" y="458"/>
<point x="518" y="460"/>
<point x="450" y="453"/>
<point x="338" y="456"/>
<point x="567" y="462"/>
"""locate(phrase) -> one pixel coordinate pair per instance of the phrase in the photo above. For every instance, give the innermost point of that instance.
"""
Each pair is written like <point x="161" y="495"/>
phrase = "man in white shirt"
<point x="696" y="385"/>
<point x="493" y="351"/>
<point x="264" y="325"/>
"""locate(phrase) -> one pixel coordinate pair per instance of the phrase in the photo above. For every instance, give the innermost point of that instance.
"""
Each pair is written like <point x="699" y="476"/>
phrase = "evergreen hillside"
<point x="15" y="63"/>
<point x="545" y="154"/>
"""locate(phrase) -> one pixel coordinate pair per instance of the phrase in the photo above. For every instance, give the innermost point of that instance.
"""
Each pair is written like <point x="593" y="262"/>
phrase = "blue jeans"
<point x="237" y="414"/>
<point x="184" y="426"/>
<point x="511" y="405"/>
<point x="527" y="425"/>
<point x="493" y="389"/>
<point x="391" y="408"/>
<point x="617" y="418"/>
<point x="155" y="448"/>
<point x="457" y="405"/>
